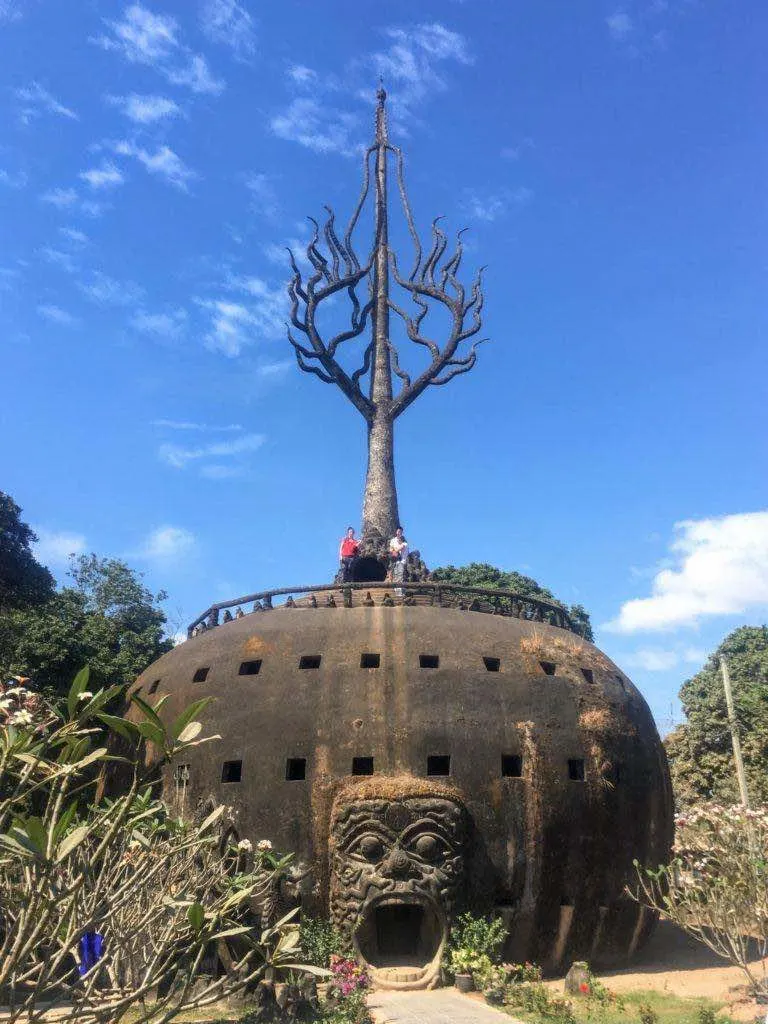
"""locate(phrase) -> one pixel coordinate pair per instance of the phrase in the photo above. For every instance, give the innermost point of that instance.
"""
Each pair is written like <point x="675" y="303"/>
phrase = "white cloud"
<point x="196" y="76"/>
<point x="274" y="369"/>
<point x="107" y="291"/>
<point x="152" y="39"/>
<point x="490" y="206"/>
<point x="163" y="162"/>
<point x="141" y="37"/>
<point x="57" y="315"/>
<point x="145" y="109"/>
<point x="59" y="258"/>
<point x="167" y="543"/>
<point x="18" y="180"/>
<point x="187" y="425"/>
<point x="38" y="100"/>
<point x="106" y="176"/>
<point x="229" y="23"/>
<point x="76" y="237"/>
<point x="300" y="74"/>
<point x="60" y="197"/>
<point x="620" y="25"/>
<point x="10" y="10"/>
<point x="720" y="568"/>
<point x="161" y="325"/>
<point x="178" y="457"/>
<point x="263" y="195"/>
<point x="234" y="325"/>
<point x="55" y="547"/>
<point x="656" y="659"/>
<point x="317" y="126"/>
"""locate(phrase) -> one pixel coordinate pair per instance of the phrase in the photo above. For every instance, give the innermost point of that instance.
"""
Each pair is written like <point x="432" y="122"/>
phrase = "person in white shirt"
<point x="398" y="553"/>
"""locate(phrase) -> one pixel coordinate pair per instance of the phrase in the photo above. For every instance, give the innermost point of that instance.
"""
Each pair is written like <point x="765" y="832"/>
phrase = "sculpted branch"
<point x="432" y="281"/>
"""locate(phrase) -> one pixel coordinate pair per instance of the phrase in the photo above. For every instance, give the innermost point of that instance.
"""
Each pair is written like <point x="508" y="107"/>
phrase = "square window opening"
<point x="232" y="771"/>
<point x="511" y="766"/>
<point x="362" y="766"/>
<point x="310" y="661"/>
<point x="429" y="661"/>
<point x="576" y="769"/>
<point x="296" y="769"/>
<point x="492" y="664"/>
<point x="201" y="675"/>
<point x="588" y="674"/>
<point x="439" y="764"/>
<point x="370" y="660"/>
<point x="153" y="687"/>
<point x="548" y="667"/>
<point x="250" y="668"/>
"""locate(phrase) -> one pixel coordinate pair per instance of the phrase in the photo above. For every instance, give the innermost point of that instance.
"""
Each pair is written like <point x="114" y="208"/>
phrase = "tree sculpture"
<point x="433" y="279"/>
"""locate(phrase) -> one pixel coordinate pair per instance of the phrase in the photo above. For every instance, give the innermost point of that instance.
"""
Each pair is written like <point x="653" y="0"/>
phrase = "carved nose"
<point x="397" y="865"/>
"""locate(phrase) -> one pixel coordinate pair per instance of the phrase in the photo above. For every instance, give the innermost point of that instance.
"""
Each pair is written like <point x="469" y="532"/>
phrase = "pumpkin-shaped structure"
<point x="421" y="759"/>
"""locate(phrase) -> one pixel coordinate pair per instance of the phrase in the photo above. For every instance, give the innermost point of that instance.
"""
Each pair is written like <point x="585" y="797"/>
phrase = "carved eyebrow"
<point x="377" y="828"/>
<point x="427" y="825"/>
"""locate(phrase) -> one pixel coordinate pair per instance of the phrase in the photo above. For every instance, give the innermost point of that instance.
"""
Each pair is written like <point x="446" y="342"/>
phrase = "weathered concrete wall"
<point x="554" y="853"/>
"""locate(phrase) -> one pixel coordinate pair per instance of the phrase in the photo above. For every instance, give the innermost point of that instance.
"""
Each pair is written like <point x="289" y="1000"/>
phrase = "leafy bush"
<point x="475" y="944"/>
<point x="320" y="940"/>
<point x="716" y="888"/>
<point x="647" y="1014"/>
<point x="104" y="906"/>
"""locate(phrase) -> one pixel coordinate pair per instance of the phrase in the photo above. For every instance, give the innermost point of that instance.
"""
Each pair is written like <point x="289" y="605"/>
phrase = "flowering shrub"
<point x="716" y="887"/>
<point x="19" y="705"/>
<point x="348" y="978"/>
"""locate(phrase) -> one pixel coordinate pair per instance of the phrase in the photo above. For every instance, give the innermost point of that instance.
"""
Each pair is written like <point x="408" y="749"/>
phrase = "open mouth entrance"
<point x="400" y="934"/>
<point x="368" y="570"/>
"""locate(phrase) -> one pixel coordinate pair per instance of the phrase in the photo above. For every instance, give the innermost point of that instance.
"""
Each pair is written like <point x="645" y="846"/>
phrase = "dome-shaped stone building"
<point x="417" y="752"/>
<point x="422" y="758"/>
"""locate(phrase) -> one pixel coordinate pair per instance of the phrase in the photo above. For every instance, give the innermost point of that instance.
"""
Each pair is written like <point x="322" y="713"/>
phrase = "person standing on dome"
<point x="348" y="554"/>
<point x="398" y="553"/>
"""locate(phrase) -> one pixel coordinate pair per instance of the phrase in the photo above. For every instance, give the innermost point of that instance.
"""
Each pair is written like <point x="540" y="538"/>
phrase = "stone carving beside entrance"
<point x="397" y="864"/>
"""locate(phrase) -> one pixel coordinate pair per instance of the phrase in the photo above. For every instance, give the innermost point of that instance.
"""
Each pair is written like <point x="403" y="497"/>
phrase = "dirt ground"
<point x="672" y="962"/>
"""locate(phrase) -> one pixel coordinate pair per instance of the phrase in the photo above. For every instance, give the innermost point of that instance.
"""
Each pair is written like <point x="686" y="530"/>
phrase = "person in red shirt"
<point x="348" y="554"/>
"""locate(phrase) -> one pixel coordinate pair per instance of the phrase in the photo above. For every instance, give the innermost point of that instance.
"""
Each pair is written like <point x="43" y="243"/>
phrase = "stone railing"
<point x="348" y="595"/>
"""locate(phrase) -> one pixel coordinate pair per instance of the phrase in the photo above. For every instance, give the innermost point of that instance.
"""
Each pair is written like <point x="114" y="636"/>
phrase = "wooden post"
<point x="734" y="734"/>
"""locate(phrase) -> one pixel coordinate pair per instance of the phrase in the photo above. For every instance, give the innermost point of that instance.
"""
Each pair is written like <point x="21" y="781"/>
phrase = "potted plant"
<point x="462" y="961"/>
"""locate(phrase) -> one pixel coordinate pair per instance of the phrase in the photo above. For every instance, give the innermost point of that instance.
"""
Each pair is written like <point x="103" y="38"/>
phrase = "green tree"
<point x="700" y="751"/>
<point x="23" y="581"/>
<point x="481" y="574"/>
<point x="108" y="620"/>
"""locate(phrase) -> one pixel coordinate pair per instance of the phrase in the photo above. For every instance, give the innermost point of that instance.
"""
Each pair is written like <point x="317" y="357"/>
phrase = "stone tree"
<point x="432" y="283"/>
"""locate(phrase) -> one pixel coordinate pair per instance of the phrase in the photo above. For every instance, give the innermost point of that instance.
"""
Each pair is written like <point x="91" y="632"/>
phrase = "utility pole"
<point x="734" y="734"/>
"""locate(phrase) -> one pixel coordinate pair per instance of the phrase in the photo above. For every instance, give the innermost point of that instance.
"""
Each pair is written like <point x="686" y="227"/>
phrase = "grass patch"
<point x="665" y="1008"/>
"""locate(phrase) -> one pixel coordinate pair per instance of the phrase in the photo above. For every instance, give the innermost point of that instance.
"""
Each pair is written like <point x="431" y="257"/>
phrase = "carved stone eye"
<point x="371" y="848"/>
<point x="427" y="847"/>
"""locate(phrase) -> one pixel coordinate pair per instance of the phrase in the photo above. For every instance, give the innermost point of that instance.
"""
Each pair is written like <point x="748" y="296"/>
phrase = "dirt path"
<point x="673" y="962"/>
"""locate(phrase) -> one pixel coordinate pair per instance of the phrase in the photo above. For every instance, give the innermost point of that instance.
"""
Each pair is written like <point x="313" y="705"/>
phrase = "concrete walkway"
<point x="440" y="1006"/>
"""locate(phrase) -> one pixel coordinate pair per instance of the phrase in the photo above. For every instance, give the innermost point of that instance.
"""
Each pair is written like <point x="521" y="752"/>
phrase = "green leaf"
<point x="147" y="711"/>
<point x="196" y="916"/>
<point x="14" y="846"/>
<point x="212" y="817"/>
<point x="70" y="842"/>
<point x="187" y="715"/>
<point x="79" y="684"/>
<point x="155" y="734"/>
<point x="122" y="727"/>
<point x="95" y="755"/>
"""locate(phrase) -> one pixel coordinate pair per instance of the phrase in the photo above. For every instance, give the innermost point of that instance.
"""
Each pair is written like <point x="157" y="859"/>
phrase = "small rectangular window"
<point x="439" y="764"/>
<point x="310" y="661"/>
<point x="511" y="766"/>
<point x="492" y="664"/>
<point x="296" y="769"/>
<point x="232" y="771"/>
<point x="548" y="667"/>
<point x="181" y="774"/>
<point x="153" y="687"/>
<point x="201" y="675"/>
<point x="362" y="766"/>
<point x="588" y="674"/>
<point x="576" y="769"/>
<point x="429" y="660"/>
<point x="370" y="660"/>
<point x="250" y="668"/>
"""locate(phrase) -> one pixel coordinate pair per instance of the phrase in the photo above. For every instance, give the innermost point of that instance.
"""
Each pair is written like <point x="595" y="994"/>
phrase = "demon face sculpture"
<point x="397" y="873"/>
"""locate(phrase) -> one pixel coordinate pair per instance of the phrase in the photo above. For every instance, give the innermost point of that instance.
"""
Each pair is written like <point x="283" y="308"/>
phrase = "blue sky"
<point x="610" y="163"/>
